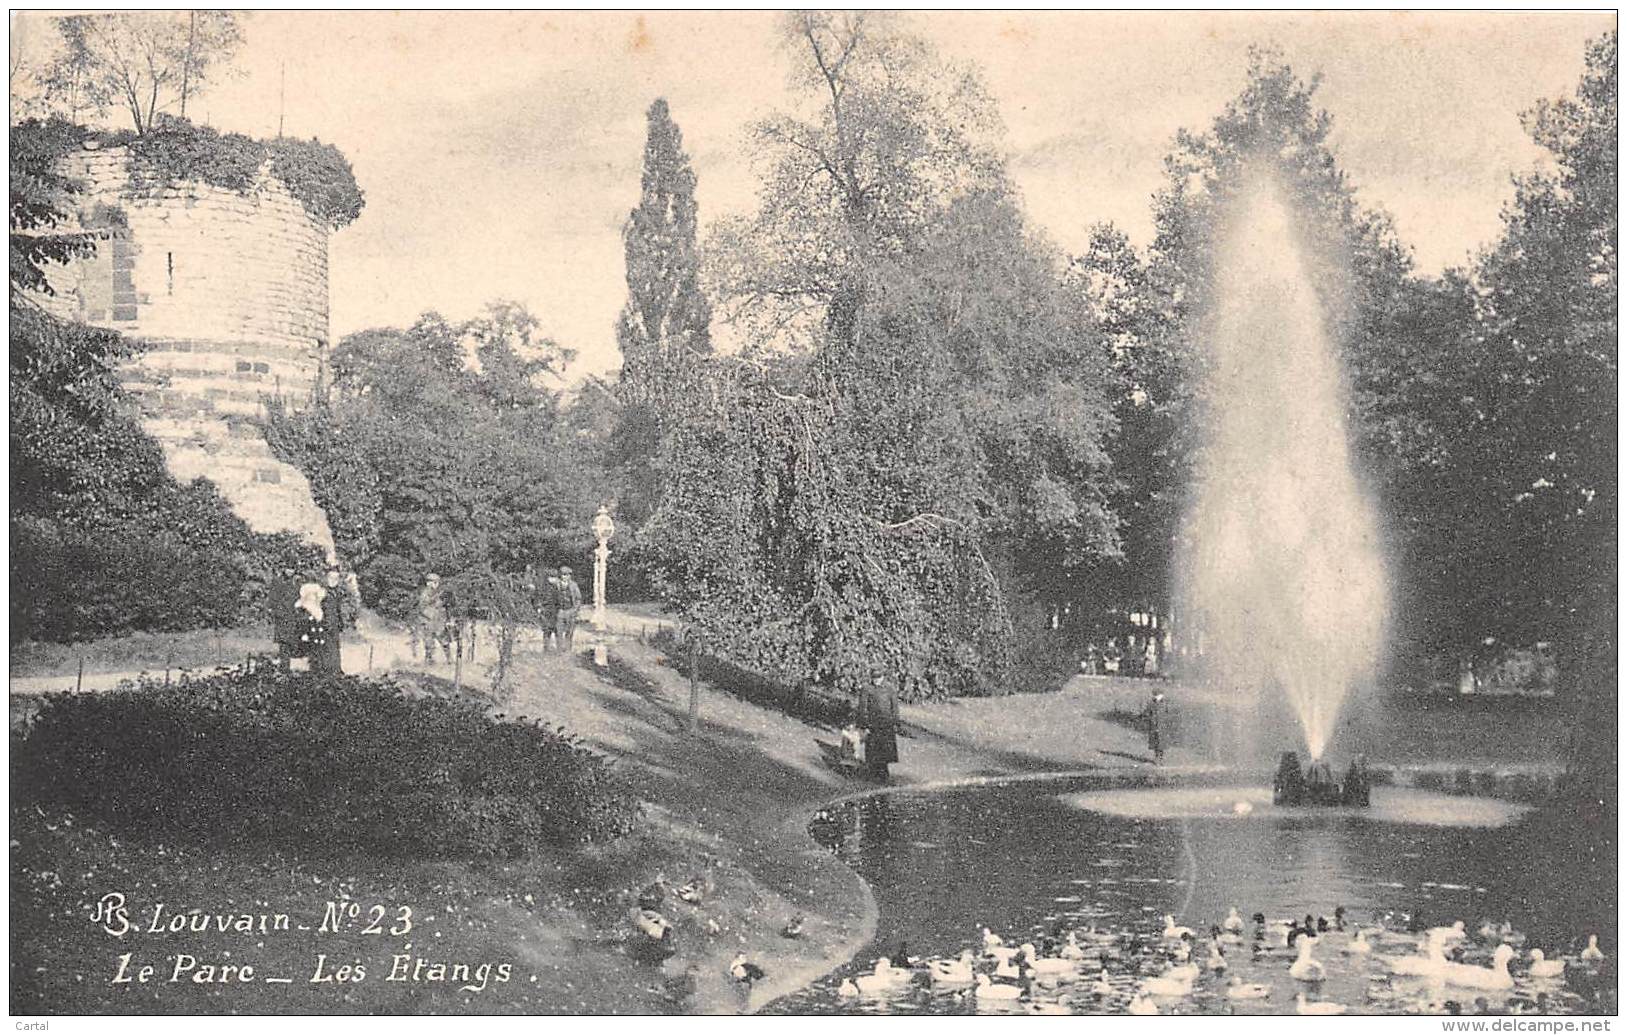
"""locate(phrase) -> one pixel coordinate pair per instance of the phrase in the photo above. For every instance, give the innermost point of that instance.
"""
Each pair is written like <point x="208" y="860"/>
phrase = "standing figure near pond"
<point x="878" y="716"/>
<point x="1155" y="716"/>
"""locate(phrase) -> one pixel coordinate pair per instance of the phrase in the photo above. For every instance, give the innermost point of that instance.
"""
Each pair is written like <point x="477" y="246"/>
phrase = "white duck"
<point x="1072" y="950"/>
<point x="1359" y="945"/>
<point x="952" y="972"/>
<point x="1233" y="921"/>
<point x="1187" y="972"/>
<point x="1311" y="1009"/>
<point x="1101" y="988"/>
<point x="1052" y="966"/>
<point x="1165" y="985"/>
<point x="1171" y="930"/>
<point x="987" y="989"/>
<point x="1592" y="953"/>
<point x="1141" y="1006"/>
<point x="1545" y="968"/>
<point x="1446" y="935"/>
<point x="1427" y="962"/>
<point x="991" y="940"/>
<point x="847" y="989"/>
<point x="1495" y="977"/>
<point x="884" y="978"/>
<point x="1238" y="989"/>
<point x="1305" y="967"/>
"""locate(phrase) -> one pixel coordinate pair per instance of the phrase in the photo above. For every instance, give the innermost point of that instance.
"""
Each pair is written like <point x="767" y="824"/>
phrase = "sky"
<point x="500" y="152"/>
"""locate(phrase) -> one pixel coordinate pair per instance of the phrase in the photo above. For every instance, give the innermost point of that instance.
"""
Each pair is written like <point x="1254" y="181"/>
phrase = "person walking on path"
<point x="570" y="605"/>
<point x="336" y="617"/>
<point x="1156" y="716"/>
<point x="429" y="618"/>
<point x="548" y="611"/>
<point x="878" y="716"/>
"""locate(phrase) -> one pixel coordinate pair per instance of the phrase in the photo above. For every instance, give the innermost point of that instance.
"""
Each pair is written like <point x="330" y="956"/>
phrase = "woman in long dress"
<point x="878" y="714"/>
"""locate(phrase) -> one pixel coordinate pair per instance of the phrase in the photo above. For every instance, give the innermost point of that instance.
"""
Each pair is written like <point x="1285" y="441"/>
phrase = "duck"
<point x="1101" y="989"/>
<point x="1494" y="977"/>
<point x="1172" y="931"/>
<point x="991" y="941"/>
<point x="1052" y="966"/>
<point x="1141" y="1006"/>
<point x="1448" y="934"/>
<point x="653" y="924"/>
<point x="953" y="971"/>
<point x="1338" y="918"/>
<point x="847" y="989"/>
<point x="1592" y="953"/>
<point x="793" y="929"/>
<point x="1233" y="921"/>
<point x="1217" y="959"/>
<point x="1305" y="967"/>
<point x="745" y="971"/>
<point x="1071" y="949"/>
<point x="987" y="989"/>
<point x="1237" y="988"/>
<point x="1427" y="962"/>
<point x="1166" y="985"/>
<point x="883" y="978"/>
<point x="1545" y="968"/>
<point x="1052" y="1008"/>
<point x="1187" y="972"/>
<point x="1358" y="945"/>
<point x="694" y="891"/>
<point x="1324" y="1009"/>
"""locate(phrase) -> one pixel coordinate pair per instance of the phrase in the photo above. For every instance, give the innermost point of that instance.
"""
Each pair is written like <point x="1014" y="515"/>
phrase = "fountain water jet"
<point x="1282" y="569"/>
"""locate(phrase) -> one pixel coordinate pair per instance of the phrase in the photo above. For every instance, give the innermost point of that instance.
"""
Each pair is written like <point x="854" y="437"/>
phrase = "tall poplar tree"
<point x="665" y="329"/>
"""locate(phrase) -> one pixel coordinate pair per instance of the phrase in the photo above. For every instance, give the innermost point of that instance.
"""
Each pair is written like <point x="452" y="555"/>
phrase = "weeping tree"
<point x="914" y="429"/>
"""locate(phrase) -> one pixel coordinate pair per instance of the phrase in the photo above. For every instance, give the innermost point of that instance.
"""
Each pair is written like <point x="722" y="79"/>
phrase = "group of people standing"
<point x="558" y="601"/>
<point x="308" y="617"/>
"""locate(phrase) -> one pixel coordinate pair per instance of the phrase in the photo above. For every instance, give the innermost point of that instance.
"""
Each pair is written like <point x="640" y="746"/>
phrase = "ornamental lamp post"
<point x="603" y="529"/>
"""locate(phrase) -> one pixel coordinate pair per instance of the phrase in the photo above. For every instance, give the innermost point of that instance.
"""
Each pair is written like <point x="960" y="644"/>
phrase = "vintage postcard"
<point x="814" y="513"/>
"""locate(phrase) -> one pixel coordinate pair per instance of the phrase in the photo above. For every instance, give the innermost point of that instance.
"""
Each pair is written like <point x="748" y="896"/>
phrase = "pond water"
<point x="1031" y="858"/>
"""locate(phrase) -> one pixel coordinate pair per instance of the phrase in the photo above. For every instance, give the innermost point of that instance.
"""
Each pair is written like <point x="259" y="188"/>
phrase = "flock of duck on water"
<point x="1031" y="978"/>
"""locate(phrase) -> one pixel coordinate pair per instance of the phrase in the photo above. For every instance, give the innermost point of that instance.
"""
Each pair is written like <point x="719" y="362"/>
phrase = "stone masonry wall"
<point x="229" y="294"/>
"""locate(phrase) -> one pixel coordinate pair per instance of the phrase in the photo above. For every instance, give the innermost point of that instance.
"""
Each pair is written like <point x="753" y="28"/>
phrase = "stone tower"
<point x="228" y="293"/>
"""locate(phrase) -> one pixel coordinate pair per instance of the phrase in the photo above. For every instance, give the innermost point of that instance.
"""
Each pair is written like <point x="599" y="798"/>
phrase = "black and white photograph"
<point x="814" y="513"/>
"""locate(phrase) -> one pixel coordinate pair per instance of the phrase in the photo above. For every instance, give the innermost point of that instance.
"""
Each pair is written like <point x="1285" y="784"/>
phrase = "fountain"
<point x="1281" y="563"/>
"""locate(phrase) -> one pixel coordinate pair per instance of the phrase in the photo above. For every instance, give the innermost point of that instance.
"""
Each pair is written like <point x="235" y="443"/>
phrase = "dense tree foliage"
<point x="913" y="434"/>
<point x="441" y="447"/>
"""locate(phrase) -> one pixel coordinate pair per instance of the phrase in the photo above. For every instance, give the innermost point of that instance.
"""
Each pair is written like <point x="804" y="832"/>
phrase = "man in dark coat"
<point x="281" y="596"/>
<point x="878" y="715"/>
<point x="336" y="617"/>
<point x="1156" y="718"/>
<point x="570" y="606"/>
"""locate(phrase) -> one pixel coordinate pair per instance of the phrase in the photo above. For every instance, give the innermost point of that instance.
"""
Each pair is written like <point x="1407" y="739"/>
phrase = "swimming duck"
<point x="1052" y="966"/>
<point x="1233" y="921"/>
<point x="1592" y="953"/>
<point x="1236" y="988"/>
<point x="1101" y="989"/>
<point x="1217" y="959"/>
<point x="883" y="978"/>
<point x="987" y="989"/>
<point x="1359" y="945"/>
<point x="1448" y="934"/>
<point x="745" y="971"/>
<point x="847" y="989"/>
<point x="1171" y="931"/>
<point x="1545" y="968"/>
<point x="1165" y="985"/>
<point x="793" y="929"/>
<point x="1427" y="962"/>
<point x="1489" y="932"/>
<point x="1306" y="968"/>
<point x="991" y="941"/>
<point x="653" y="924"/>
<point x="1052" y="1008"/>
<point x="1324" y="1009"/>
<point x="1071" y="949"/>
<point x="1495" y="976"/>
<point x="952" y="972"/>
<point x="1141" y="1006"/>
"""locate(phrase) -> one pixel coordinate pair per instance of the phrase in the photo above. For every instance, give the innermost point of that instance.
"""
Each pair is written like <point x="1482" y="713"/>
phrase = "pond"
<point x="1031" y="858"/>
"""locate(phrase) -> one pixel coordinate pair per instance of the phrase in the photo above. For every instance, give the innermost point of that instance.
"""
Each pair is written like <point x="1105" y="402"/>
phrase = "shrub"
<point x="1429" y="780"/>
<point x="299" y="759"/>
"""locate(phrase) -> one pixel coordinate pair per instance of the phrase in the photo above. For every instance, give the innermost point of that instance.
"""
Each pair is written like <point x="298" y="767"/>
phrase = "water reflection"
<point x="1024" y="861"/>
